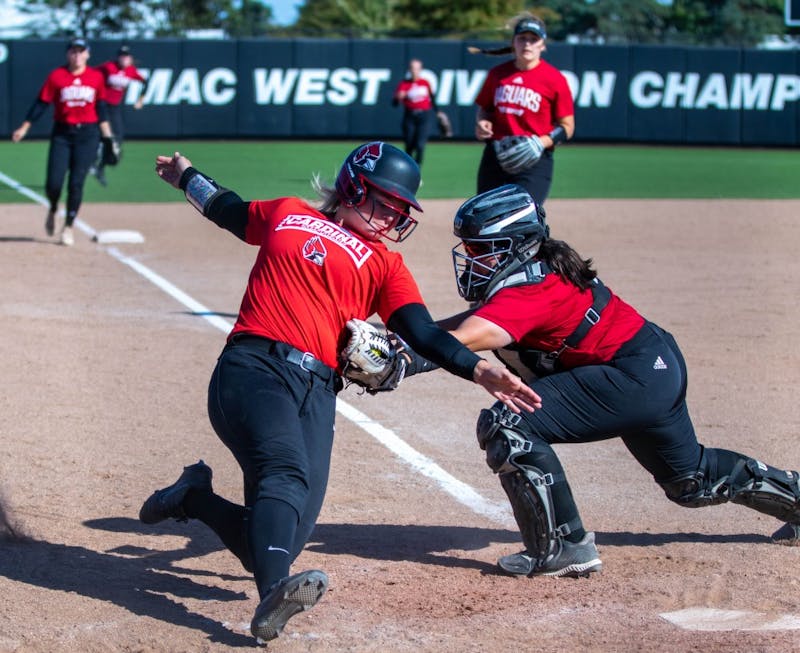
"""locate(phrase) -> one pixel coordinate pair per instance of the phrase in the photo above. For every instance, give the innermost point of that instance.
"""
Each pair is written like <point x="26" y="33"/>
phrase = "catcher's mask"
<point x="390" y="170"/>
<point x="500" y="230"/>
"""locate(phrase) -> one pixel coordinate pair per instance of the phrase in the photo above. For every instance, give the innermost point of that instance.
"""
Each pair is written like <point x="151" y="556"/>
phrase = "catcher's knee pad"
<point x="502" y="439"/>
<point x="703" y="487"/>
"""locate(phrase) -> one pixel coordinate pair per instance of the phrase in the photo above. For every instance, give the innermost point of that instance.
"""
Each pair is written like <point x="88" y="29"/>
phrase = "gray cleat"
<point x="286" y="598"/>
<point x="573" y="559"/>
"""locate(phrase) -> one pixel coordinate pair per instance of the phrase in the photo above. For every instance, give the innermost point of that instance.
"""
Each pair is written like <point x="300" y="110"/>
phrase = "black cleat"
<point x="788" y="534"/>
<point x="168" y="502"/>
<point x="286" y="598"/>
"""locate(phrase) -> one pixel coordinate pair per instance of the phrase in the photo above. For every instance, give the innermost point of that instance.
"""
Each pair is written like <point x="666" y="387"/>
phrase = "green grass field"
<point x="263" y="169"/>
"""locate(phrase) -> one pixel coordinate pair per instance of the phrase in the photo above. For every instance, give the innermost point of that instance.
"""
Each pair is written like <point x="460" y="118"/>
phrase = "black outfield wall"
<point x="310" y="88"/>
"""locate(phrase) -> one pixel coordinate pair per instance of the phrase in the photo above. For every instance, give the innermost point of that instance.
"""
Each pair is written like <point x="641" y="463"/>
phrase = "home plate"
<point x="118" y="236"/>
<point x="718" y="620"/>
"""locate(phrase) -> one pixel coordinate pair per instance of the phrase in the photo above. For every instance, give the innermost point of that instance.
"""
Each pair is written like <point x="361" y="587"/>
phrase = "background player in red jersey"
<point x="419" y="110"/>
<point x="273" y="392"/>
<point x="76" y="92"/>
<point x="118" y="75"/>
<point x="525" y="108"/>
<point x="602" y="371"/>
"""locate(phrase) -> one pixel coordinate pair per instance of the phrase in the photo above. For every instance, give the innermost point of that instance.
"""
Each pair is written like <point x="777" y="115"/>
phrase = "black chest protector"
<point x="531" y="364"/>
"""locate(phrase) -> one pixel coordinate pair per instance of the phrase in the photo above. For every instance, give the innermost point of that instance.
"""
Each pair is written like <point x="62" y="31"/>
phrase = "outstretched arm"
<point x="414" y="324"/>
<point x="220" y="205"/>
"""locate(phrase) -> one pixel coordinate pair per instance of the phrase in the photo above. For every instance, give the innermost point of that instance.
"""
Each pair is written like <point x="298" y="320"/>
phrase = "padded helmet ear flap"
<point x="348" y="186"/>
<point x="542" y="215"/>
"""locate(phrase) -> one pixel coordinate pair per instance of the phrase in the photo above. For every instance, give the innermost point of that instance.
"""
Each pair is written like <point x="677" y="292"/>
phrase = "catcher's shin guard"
<point x="747" y="481"/>
<point x="527" y="487"/>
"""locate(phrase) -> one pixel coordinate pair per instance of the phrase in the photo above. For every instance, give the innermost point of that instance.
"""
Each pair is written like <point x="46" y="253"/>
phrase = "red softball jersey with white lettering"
<point x="540" y="316"/>
<point x="74" y="96"/>
<point x="311" y="276"/>
<point x="525" y="102"/>
<point x="118" y="79"/>
<point x="418" y="94"/>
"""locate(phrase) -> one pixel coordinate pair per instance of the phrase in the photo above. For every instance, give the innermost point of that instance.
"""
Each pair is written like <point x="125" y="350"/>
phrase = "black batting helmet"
<point x="500" y="230"/>
<point x="381" y="166"/>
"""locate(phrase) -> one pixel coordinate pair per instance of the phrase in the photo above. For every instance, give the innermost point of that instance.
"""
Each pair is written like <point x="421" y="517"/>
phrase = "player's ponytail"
<point x="490" y="51"/>
<point x="567" y="263"/>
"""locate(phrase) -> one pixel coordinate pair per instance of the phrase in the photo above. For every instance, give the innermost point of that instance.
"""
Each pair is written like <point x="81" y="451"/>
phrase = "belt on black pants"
<point x="303" y="359"/>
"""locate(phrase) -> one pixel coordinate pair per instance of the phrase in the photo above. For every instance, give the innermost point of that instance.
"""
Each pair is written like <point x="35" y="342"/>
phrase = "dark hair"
<point x="516" y="21"/>
<point x="567" y="263"/>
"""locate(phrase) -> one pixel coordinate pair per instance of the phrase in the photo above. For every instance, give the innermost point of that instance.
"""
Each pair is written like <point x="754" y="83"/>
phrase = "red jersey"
<point x="312" y="275"/>
<point x="118" y="79"/>
<point x="541" y="315"/>
<point x="74" y="96"/>
<point x="525" y="102"/>
<point x="418" y="96"/>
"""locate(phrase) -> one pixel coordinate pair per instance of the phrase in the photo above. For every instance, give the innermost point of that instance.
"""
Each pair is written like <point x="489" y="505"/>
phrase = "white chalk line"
<point x="463" y="493"/>
<point x="40" y="199"/>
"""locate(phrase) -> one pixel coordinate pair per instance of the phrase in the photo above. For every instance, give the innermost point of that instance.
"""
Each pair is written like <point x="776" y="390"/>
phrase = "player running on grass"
<point x="272" y="395"/>
<point x="118" y="75"/>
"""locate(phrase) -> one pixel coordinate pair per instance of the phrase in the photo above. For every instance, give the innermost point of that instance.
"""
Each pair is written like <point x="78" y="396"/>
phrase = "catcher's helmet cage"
<point x="500" y="230"/>
<point x="382" y="166"/>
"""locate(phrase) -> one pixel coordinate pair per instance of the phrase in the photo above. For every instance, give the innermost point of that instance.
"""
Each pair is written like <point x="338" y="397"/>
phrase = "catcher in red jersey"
<point x="272" y="395"/>
<point x="602" y="370"/>
<point x="80" y="122"/>
<point x="525" y="109"/>
<point x="118" y="75"/>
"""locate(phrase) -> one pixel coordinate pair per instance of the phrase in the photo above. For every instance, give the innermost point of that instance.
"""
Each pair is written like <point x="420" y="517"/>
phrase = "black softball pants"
<point x="416" y="127"/>
<point x="115" y="120"/>
<point x="72" y="148"/>
<point x="536" y="179"/>
<point x="277" y="419"/>
<point x="639" y="396"/>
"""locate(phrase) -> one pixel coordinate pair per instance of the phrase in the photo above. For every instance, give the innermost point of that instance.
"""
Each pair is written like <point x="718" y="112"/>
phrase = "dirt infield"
<point x="103" y="399"/>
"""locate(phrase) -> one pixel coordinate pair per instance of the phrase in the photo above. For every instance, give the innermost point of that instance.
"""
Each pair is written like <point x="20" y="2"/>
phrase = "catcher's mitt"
<point x="445" y="127"/>
<point x="370" y="359"/>
<point x="517" y="153"/>
<point x="111" y="153"/>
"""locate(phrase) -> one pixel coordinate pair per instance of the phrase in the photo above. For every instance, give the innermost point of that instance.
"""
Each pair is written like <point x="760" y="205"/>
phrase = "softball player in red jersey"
<point x="601" y="370"/>
<point x="118" y="75"/>
<point x="419" y="107"/>
<point x="523" y="97"/>
<point x="273" y="392"/>
<point x="76" y="92"/>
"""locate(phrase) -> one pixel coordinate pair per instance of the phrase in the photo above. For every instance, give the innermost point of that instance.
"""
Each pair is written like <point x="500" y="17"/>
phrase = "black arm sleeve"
<point x="102" y="111"/>
<point x="230" y="212"/>
<point x="35" y="112"/>
<point x="227" y="210"/>
<point x="414" y="324"/>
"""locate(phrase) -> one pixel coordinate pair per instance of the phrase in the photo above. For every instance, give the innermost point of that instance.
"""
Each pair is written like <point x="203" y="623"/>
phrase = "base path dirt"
<point x="104" y="378"/>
